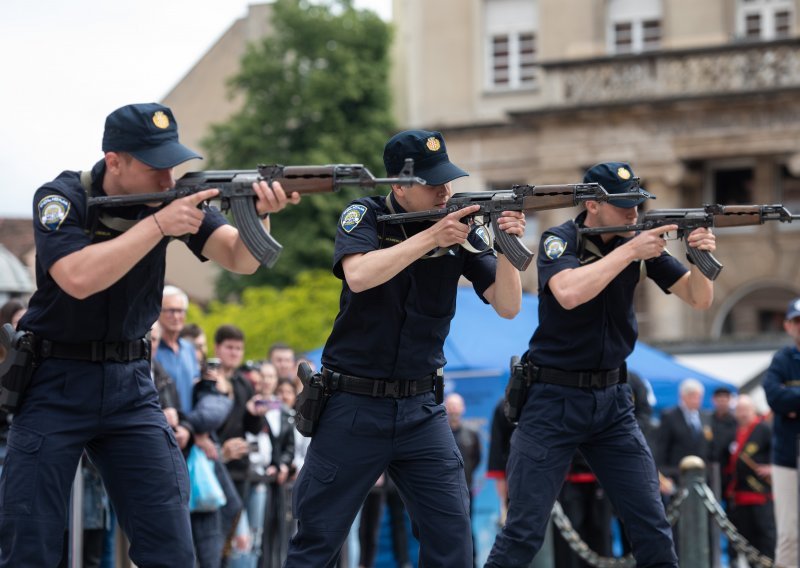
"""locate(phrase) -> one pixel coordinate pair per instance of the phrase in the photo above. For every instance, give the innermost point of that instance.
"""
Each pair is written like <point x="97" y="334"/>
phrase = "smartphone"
<point x="213" y="363"/>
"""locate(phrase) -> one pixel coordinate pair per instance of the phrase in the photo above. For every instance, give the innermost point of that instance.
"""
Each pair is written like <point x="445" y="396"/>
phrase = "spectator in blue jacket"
<point x="782" y="387"/>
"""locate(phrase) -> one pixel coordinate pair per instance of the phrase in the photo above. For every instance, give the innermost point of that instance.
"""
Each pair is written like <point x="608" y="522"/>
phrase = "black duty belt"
<point x="397" y="388"/>
<point x="119" y="351"/>
<point x="579" y="379"/>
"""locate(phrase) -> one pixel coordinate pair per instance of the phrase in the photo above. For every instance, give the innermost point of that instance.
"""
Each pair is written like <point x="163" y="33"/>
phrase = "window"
<point x="733" y="186"/>
<point x="634" y="25"/>
<point x="623" y="37"/>
<point x="527" y="59"/>
<point x="500" y="60"/>
<point x="758" y="20"/>
<point x="783" y="26"/>
<point x="651" y="34"/>
<point x="511" y="44"/>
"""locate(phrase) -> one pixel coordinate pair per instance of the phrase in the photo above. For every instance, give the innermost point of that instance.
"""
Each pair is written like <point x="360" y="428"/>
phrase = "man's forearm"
<point x="368" y="270"/>
<point x="98" y="266"/>
<point x="505" y="295"/>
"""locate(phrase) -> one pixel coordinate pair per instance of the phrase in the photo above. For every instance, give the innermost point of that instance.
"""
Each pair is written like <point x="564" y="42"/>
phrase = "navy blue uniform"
<point x="392" y="331"/>
<point x="591" y="340"/>
<point x="109" y="407"/>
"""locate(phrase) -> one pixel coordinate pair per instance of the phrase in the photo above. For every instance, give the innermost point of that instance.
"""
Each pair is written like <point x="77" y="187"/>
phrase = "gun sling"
<point x="399" y="388"/>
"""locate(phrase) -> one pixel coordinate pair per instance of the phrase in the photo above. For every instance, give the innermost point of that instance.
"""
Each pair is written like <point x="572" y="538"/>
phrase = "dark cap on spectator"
<point x="429" y="153"/>
<point x="616" y="177"/>
<point x="793" y="310"/>
<point x="149" y="133"/>
<point x="721" y="390"/>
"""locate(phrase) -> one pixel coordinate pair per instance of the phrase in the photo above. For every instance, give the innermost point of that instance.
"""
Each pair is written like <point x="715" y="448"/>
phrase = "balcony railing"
<point x="726" y="70"/>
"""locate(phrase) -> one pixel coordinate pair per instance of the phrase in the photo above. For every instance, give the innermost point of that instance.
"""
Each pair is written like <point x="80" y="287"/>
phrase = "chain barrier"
<point x="577" y="544"/>
<point x="739" y="543"/>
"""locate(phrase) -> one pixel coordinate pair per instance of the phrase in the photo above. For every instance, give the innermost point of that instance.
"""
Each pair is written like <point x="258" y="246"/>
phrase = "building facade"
<point x="202" y="98"/>
<point x="700" y="97"/>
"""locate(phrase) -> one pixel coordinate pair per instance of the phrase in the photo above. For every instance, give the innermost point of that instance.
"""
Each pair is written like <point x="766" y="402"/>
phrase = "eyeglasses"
<point x="173" y="311"/>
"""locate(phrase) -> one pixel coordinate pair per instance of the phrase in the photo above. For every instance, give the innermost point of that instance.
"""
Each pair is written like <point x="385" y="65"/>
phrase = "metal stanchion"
<point x="76" y="520"/>
<point x="545" y="558"/>
<point x="715" y="482"/>
<point x="693" y="525"/>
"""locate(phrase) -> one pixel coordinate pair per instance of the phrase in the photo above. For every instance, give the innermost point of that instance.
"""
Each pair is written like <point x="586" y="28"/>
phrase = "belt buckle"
<point x="391" y="389"/>
<point x="597" y="379"/>
<point x="112" y="351"/>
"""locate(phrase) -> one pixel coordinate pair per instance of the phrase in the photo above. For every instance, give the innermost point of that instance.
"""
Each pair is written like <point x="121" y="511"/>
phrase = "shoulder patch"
<point x="53" y="209"/>
<point x="554" y="247"/>
<point x="352" y="216"/>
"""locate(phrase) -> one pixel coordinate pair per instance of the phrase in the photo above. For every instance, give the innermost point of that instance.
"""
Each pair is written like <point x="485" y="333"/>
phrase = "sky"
<point x="65" y="65"/>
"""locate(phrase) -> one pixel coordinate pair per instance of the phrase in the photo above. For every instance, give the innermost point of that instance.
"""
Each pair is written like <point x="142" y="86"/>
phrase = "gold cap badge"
<point x="624" y="173"/>
<point x="433" y="144"/>
<point x="161" y="120"/>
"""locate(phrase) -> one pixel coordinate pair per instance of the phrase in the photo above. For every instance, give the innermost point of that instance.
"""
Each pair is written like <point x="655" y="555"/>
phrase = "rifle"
<point x="518" y="198"/>
<point x="236" y="194"/>
<point x="688" y="220"/>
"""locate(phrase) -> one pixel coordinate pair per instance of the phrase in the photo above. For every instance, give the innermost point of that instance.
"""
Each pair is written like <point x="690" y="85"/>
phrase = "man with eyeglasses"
<point x="177" y="355"/>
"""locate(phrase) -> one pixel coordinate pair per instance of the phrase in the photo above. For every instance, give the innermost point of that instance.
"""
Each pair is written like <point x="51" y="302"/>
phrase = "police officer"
<point x="381" y="360"/>
<point x="99" y="291"/>
<point x="578" y="398"/>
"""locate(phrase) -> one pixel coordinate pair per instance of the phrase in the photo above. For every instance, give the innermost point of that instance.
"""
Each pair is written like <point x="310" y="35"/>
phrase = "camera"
<point x="212" y="364"/>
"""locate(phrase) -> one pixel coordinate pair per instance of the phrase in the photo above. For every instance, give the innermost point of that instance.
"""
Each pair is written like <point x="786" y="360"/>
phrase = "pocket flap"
<point x="24" y="440"/>
<point x="322" y="469"/>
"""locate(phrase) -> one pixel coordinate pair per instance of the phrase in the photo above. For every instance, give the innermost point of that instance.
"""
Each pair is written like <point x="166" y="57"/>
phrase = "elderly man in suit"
<point x="684" y="430"/>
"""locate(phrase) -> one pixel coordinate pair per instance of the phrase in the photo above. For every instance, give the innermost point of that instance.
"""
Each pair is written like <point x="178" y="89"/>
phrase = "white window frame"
<point x="767" y="11"/>
<point x="513" y="20"/>
<point x="634" y="13"/>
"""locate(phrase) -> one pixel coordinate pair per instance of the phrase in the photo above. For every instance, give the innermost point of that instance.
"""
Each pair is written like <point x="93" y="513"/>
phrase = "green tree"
<point x="315" y="91"/>
<point x="301" y="315"/>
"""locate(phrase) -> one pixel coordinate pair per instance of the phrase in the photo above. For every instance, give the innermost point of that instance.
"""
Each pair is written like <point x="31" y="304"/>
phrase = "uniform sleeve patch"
<point x="554" y="247"/>
<point x="352" y="216"/>
<point x="53" y="209"/>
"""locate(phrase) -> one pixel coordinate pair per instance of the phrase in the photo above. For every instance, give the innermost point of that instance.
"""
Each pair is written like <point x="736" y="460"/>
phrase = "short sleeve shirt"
<point x="601" y="333"/>
<point x="397" y="329"/>
<point x="62" y="225"/>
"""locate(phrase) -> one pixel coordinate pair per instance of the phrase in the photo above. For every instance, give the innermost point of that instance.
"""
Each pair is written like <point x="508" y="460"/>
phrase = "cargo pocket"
<point x="179" y="466"/>
<point x="318" y="474"/>
<point x="529" y="447"/>
<point x="461" y="480"/>
<point x="21" y="465"/>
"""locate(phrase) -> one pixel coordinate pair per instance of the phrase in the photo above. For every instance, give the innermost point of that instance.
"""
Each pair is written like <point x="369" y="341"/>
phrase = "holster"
<point x="516" y="390"/>
<point x="311" y="401"/>
<point x="17" y="362"/>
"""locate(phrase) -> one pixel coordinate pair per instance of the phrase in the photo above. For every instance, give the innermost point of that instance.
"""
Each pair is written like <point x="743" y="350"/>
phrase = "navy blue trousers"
<point x="556" y="421"/>
<point x="112" y="410"/>
<point x="359" y="437"/>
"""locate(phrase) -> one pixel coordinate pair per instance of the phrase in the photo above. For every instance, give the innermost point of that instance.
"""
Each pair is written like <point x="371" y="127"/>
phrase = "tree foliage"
<point x="300" y="315"/>
<point x="315" y="91"/>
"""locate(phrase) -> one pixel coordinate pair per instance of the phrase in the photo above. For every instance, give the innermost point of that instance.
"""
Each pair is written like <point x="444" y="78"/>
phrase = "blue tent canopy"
<point x="481" y="344"/>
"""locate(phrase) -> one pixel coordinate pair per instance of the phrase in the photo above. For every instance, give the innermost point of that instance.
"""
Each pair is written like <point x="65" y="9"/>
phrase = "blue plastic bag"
<point x="205" y="493"/>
